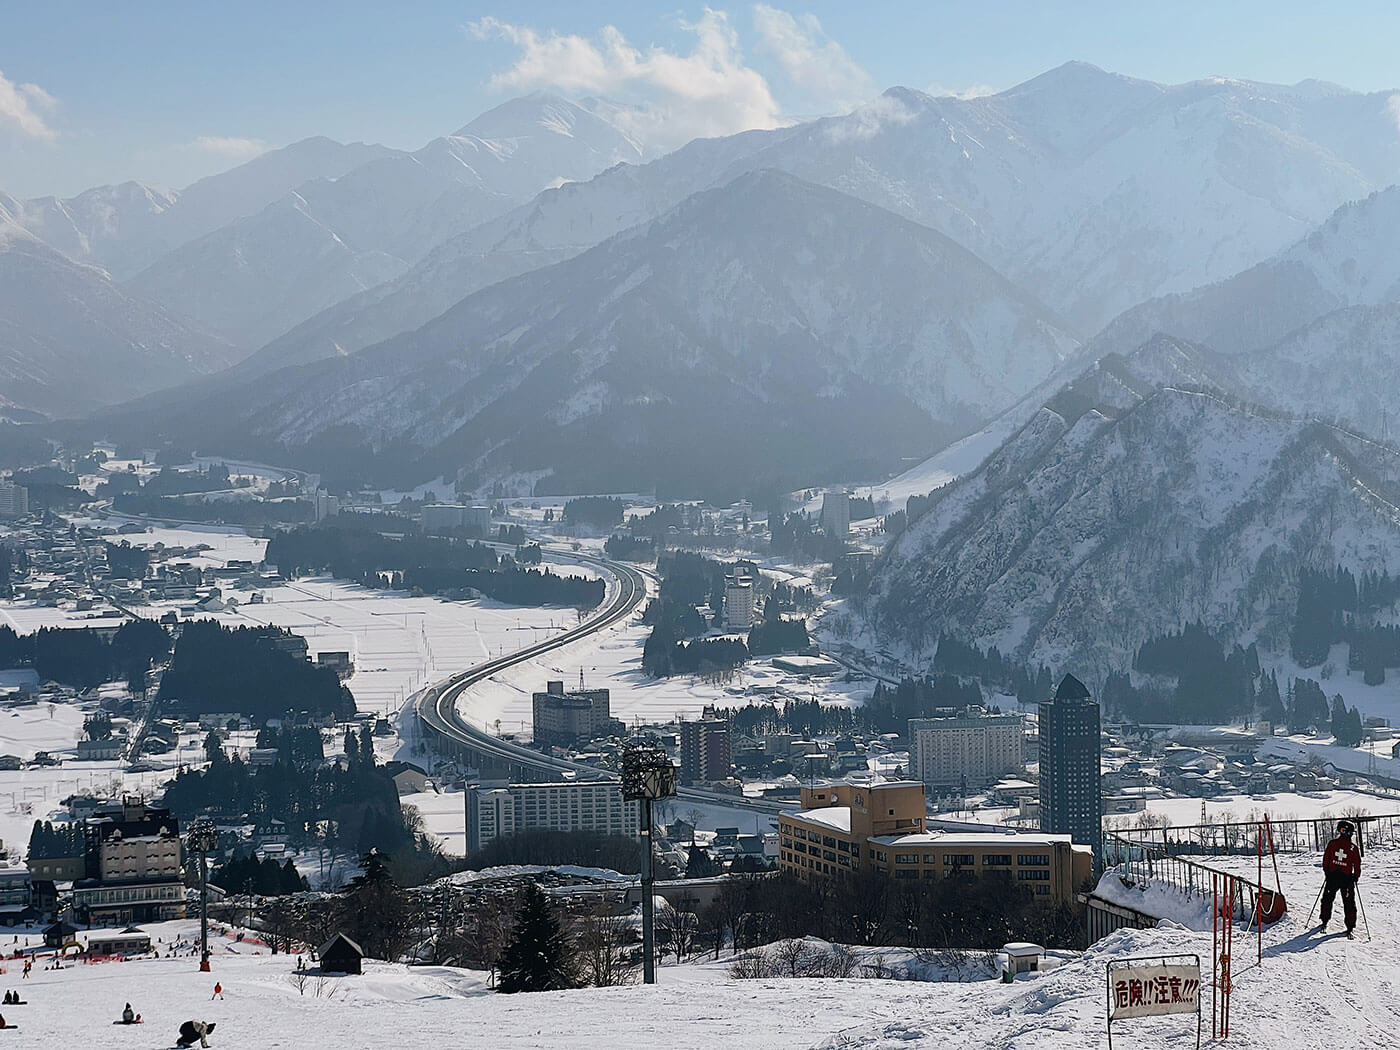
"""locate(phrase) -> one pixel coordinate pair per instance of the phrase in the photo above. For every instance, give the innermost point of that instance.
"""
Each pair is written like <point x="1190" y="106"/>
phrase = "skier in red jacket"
<point x="1341" y="867"/>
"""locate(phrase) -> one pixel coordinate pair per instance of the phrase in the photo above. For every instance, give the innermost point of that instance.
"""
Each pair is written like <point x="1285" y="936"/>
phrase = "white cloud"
<point x="20" y="106"/>
<point x="708" y="92"/>
<point x="869" y="120"/>
<point x="815" y="64"/>
<point x="971" y="91"/>
<point x="232" y="148"/>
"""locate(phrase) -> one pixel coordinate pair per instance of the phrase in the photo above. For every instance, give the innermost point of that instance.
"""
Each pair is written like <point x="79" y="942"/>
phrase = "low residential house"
<point x="408" y="778"/>
<point x="341" y="955"/>
<point x="59" y="934"/>
<point x="129" y="941"/>
<point x="101" y="750"/>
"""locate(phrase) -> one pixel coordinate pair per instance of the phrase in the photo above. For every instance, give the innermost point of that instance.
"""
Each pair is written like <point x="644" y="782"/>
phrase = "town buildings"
<point x="588" y="805"/>
<point x="1070" y="793"/>
<point x="836" y="513"/>
<point x="843" y="828"/>
<point x="738" y="602"/>
<point x="562" y="719"/>
<point x="133" y="869"/>
<point x="965" y="753"/>
<point x="445" y="517"/>
<point x="706" y="752"/>
<point x="14" y="500"/>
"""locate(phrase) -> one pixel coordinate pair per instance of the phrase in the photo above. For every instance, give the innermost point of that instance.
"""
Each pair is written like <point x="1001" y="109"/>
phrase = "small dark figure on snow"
<point x="128" y="1015"/>
<point x="218" y="992"/>
<point x="192" y="1030"/>
<point x="1341" y="867"/>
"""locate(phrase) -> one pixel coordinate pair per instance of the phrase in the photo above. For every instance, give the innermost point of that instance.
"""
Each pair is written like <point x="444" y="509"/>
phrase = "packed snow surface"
<point x="1309" y="991"/>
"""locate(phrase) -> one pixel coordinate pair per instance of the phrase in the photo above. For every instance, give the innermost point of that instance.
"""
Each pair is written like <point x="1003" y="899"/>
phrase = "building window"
<point x="964" y="860"/>
<point x="996" y="860"/>
<point x="1032" y="875"/>
<point x="1041" y="860"/>
<point x="906" y="858"/>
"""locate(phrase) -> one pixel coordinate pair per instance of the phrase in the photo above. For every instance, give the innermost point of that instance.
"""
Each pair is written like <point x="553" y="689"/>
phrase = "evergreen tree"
<point x="537" y="958"/>
<point x="367" y="744"/>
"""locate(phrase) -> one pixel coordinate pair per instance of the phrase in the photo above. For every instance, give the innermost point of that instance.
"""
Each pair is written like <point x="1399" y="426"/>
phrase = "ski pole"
<point x="1362" y="907"/>
<point x="1316" y="900"/>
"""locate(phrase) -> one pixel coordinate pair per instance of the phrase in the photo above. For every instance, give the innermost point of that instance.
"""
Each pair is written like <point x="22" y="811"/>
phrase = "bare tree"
<point x="604" y="943"/>
<point x="678" y="930"/>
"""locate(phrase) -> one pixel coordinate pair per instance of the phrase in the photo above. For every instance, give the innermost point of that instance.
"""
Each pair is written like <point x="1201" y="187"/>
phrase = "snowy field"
<point x="613" y="659"/>
<point x="1310" y="991"/>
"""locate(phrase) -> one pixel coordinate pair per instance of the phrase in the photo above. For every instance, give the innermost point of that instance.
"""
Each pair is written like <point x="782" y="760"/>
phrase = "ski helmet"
<point x="1344" y="828"/>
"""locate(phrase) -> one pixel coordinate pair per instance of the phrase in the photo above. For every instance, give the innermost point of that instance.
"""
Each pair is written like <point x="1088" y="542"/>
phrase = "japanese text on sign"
<point x="1147" y="991"/>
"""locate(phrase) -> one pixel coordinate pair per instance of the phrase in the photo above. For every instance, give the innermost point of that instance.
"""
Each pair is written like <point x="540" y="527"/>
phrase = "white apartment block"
<point x="971" y="753"/>
<point x="565" y="806"/>
<point x="14" y="500"/>
<point x="738" y="603"/>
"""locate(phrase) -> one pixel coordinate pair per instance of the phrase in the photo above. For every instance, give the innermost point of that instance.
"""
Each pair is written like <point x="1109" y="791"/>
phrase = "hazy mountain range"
<point x="524" y="295"/>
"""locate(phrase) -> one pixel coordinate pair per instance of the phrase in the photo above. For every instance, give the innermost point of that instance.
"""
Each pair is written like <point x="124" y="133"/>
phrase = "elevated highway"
<point x="437" y="707"/>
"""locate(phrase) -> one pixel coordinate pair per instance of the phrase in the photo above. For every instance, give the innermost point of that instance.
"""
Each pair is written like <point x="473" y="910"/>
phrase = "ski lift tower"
<point x="647" y="775"/>
<point x="202" y="840"/>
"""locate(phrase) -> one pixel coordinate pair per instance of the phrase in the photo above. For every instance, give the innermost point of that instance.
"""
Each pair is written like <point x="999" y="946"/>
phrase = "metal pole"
<point x="648" y="929"/>
<point x="203" y="912"/>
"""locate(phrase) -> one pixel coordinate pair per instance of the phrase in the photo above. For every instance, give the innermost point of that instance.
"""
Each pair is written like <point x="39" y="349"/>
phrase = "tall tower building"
<point x="1070" y="798"/>
<point x="705" y="750"/>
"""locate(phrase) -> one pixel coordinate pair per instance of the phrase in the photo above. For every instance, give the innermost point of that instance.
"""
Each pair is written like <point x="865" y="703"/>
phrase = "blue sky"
<point x="167" y="92"/>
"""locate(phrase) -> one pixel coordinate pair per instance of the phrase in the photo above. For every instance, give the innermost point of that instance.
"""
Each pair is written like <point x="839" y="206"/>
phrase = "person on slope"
<point x="128" y="1015"/>
<point x="1341" y="867"/>
<point x="192" y="1030"/>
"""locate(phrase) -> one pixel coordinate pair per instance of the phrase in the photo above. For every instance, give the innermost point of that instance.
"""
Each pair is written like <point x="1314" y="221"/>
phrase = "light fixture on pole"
<point x="647" y="775"/>
<point x="202" y="840"/>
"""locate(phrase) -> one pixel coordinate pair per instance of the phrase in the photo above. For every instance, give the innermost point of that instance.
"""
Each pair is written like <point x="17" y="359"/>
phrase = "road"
<point x="437" y="707"/>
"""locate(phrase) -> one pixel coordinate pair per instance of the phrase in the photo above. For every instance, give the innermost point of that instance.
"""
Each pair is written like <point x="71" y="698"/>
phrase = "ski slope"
<point x="1309" y="992"/>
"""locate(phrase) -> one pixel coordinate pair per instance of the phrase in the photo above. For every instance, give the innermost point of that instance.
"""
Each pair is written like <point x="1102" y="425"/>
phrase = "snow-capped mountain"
<point x="558" y="224"/>
<point x="1094" y="191"/>
<point x="1127" y="507"/>
<point x="124" y="228"/>
<point x="768" y="329"/>
<point x="331" y="238"/>
<point x="71" y="340"/>
<point x="1352" y="259"/>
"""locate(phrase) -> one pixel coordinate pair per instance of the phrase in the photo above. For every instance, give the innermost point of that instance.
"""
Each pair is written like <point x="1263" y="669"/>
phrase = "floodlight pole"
<point x="647" y="775"/>
<point x="648" y="899"/>
<point x="203" y="912"/>
<point x="202" y="839"/>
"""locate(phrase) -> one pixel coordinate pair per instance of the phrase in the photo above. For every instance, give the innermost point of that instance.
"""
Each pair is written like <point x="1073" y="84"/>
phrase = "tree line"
<point x="431" y="564"/>
<point x="82" y="657"/>
<point x="241" y="669"/>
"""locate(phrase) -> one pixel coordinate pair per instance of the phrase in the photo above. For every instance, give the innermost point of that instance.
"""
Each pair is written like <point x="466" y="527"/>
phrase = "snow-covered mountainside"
<point x="1353" y="259"/>
<point x="1127" y="507"/>
<point x="767" y="329"/>
<point x="71" y="340"/>
<point x="331" y="238"/>
<point x="124" y="228"/>
<point x="1094" y="191"/>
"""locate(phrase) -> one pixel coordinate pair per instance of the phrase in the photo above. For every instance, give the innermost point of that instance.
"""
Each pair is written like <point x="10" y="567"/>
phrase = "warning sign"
<point x="1150" y="990"/>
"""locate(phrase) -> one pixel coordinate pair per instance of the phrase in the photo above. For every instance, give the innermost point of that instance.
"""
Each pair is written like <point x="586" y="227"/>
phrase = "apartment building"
<point x="880" y="827"/>
<point x="590" y="805"/>
<point x="966" y="753"/>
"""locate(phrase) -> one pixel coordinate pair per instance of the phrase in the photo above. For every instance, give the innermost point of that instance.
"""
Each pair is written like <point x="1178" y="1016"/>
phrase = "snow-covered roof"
<point x="948" y="838"/>
<point x="836" y="817"/>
